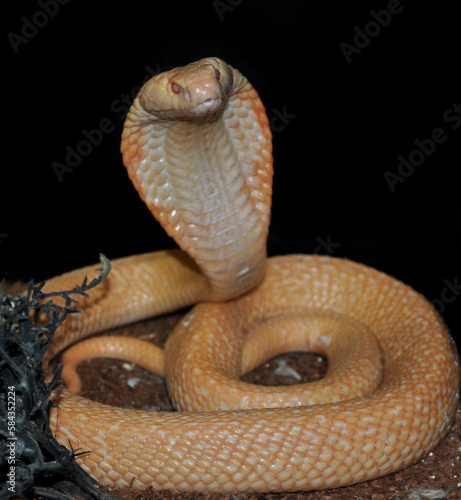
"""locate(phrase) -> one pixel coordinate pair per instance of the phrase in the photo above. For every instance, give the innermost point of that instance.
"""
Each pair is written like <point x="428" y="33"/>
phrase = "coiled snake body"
<point x="197" y="147"/>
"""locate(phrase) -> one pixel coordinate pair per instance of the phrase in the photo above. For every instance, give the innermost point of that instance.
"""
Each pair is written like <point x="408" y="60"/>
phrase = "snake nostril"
<point x="217" y="74"/>
<point x="175" y="88"/>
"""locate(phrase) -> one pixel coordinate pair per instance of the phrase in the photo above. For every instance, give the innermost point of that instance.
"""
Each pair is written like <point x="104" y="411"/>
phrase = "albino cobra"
<point x="197" y="147"/>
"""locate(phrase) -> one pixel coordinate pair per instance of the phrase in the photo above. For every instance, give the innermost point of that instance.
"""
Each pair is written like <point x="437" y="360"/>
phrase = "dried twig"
<point x="32" y="463"/>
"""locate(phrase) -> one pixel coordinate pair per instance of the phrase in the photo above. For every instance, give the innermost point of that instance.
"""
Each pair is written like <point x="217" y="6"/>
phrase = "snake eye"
<point x="217" y="74"/>
<point x="175" y="88"/>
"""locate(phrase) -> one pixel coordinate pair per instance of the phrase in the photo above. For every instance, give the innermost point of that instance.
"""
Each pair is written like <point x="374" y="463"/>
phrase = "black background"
<point x="346" y="123"/>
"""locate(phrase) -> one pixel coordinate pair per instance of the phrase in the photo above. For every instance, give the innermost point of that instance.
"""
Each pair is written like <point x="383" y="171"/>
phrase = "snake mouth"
<point x="206" y="107"/>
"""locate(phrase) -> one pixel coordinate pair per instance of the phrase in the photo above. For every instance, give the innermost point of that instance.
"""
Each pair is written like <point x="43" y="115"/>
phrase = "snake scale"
<point x="197" y="147"/>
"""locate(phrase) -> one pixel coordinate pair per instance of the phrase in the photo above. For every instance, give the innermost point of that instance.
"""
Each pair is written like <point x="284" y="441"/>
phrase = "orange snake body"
<point x="198" y="149"/>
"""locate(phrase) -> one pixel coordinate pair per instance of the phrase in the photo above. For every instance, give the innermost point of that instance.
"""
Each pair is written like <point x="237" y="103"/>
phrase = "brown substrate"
<point x="115" y="382"/>
<point x="118" y="383"/>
